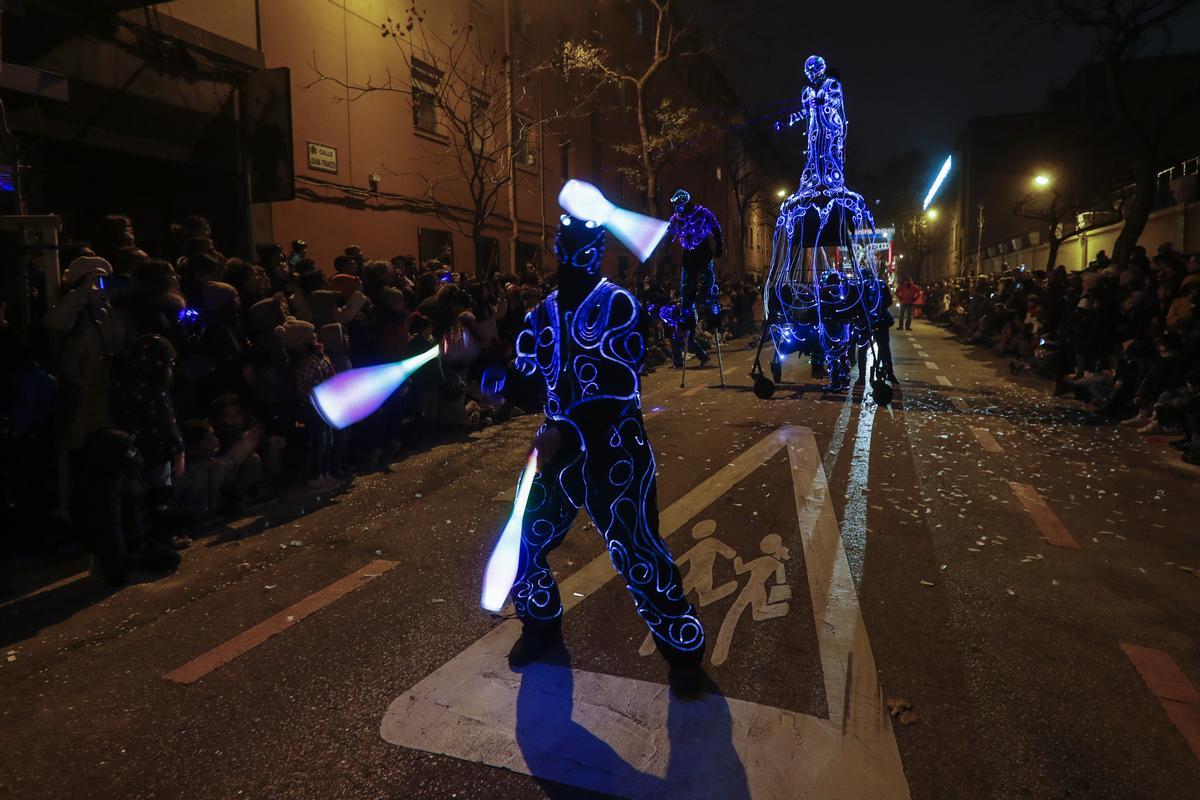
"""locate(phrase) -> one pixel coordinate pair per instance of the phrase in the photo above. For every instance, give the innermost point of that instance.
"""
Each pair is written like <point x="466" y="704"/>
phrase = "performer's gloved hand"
<point x="548" y="442"/>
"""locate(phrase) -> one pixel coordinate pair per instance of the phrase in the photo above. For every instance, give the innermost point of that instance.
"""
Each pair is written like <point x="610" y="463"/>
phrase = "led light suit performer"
<point x="822" y="295"/>
<point x="698" y="233"/>
<point x="585" y="340"/>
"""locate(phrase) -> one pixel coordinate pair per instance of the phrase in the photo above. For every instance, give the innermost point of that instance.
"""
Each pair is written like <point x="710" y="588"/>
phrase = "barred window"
<point x="524" y="142"/>
<point x="425" y="80"/>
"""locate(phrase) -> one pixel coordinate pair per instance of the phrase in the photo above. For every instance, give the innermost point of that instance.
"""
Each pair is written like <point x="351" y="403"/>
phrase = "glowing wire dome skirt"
<point x="640" y="233"/>
<point x="355" y="394"/>
<point x="501" y="568"/>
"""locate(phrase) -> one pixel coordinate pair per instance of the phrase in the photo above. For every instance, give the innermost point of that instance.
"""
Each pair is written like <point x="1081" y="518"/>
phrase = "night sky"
<point x="914" y="71"/>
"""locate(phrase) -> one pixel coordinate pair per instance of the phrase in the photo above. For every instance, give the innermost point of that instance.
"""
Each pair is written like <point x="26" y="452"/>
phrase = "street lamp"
<point x="781" y="193"/>
<point x="1041" y="180"/>
<point x="932" y="215"/>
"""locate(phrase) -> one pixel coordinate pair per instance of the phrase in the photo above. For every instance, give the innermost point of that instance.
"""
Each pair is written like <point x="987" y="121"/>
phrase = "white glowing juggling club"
<point x="355" y="394"/>
<point x="640" y="233"/>
<point x="501" y="568"/>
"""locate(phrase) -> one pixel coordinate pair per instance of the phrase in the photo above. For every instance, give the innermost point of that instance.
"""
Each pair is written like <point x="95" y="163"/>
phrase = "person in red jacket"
<point x="906" y="293"/>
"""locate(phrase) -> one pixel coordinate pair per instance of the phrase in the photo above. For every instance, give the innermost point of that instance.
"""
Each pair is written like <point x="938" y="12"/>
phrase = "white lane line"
<point x="854" y="515"/>
<point x="931" y="364"/>
<point x="943" y="380"/>
<point x="986" y="440"/>
<point x="630" y="738"/>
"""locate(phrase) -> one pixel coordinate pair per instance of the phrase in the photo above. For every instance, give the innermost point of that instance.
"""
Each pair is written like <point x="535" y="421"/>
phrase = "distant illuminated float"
<point x="822" y="296"/>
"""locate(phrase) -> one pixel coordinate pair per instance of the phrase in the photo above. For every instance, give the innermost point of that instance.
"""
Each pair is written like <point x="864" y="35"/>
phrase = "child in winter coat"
<point x="310" y="367"/>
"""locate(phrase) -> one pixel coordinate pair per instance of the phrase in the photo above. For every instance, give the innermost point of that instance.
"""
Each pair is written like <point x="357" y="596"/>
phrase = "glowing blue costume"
<point x="822" y="295"/>
<point x="585" y="340"/>
<point x="693" y="226"/>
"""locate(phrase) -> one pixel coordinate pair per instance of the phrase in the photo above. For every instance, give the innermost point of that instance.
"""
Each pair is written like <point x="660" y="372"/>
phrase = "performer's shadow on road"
<point x="562" y="754"/>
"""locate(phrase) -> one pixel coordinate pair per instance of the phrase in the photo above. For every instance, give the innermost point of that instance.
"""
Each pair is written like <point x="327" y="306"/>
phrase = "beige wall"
<point x="1179" y="225"/>
<point x="375" y="133"/>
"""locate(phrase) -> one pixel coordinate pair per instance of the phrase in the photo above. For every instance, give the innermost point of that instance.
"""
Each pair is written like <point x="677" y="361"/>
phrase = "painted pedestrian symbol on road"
<point x="764" y="602"/>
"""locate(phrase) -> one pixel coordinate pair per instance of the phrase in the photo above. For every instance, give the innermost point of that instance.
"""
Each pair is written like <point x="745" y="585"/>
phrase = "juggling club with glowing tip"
<point x="640" y="233"/>
<point x="501" y="569"/>
<point x="355" y="394"/>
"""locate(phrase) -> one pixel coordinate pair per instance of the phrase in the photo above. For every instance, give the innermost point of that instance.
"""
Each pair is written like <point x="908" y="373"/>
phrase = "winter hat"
<point x="345" y="285"/>
<point x="296" y="333"/>
<point x="266" y="315"/>
<point x="219" y="295"/>
<point x="323" y="306"/>
<point x="84" y="266"/>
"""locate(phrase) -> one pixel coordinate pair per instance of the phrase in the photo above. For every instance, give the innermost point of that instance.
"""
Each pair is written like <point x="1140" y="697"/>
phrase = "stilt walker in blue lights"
<point x="822" y="296"/>
<point x="586" y="341"/>
<point x="699" y="235"/>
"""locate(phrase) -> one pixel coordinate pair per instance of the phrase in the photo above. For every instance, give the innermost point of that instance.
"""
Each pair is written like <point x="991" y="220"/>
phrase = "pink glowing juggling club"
<point x="355" y="394"/>
<point x="640" y="233"/>
<point x="501" y="568"/>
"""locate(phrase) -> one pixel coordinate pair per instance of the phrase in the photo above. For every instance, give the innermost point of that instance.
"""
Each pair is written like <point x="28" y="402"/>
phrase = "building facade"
<point x="174" y="109"/>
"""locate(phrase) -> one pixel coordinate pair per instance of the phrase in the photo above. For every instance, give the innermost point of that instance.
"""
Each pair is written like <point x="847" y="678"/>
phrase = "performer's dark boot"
<point x="685" y="675"/>
<point x="536" y="638"/>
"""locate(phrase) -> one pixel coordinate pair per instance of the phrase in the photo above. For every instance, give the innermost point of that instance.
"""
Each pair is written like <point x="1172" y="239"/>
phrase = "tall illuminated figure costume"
<point x="586" y="342"/>
<point x="822" y="296"/>
<point x="699" y="236"/>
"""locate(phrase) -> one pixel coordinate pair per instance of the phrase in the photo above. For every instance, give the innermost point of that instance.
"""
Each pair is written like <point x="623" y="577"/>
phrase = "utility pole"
<point x="510" y="126"/>
<point x="979" y="243"/>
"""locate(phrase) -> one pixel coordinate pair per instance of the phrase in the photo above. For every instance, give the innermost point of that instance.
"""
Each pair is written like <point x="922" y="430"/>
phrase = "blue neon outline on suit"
<point x="609" y="468"/>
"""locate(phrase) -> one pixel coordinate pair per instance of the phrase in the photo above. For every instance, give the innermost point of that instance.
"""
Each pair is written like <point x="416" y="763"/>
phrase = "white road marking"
<point x="931" y="364"/>
<point x="961" y="404"/>
<point x="943" y="380"/>
<point x="630" y="738"/>
<point x="987" y="441"/>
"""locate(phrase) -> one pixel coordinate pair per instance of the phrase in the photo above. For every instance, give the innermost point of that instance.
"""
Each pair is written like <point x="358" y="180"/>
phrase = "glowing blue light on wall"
<point x="937" y="183"/>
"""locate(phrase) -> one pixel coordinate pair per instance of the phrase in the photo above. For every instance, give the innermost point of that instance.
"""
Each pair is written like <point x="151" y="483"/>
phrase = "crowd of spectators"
<point x="1124" y="339"/>
<point x="176" y="390"/>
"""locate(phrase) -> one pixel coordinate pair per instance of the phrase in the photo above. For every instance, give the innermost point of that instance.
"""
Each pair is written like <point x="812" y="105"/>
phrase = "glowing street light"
<point x="1041" y="180"/>
<point x="932" y="215"/>
<point x="781" y="193"/>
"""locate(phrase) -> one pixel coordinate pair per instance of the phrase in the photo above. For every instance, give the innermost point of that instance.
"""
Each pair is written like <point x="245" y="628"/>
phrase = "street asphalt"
<point x="1027" y="585"/>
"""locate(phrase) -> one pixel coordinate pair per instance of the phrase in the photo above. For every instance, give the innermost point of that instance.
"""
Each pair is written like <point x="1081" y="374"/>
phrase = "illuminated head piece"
<point x="814" y="69"/>
<point x="579" y="244"/>
<point x="680" y="199"/>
